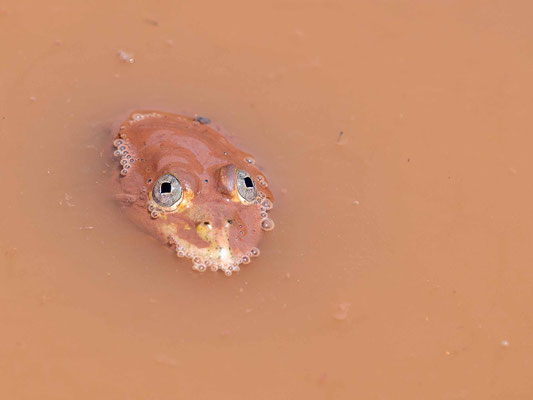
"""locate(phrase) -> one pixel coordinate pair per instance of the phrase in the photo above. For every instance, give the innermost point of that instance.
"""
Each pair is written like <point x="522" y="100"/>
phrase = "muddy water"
<point x="400" y="266"/>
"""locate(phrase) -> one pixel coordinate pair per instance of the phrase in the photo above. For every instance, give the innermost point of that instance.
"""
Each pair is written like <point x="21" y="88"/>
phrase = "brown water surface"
<point x="401" y="262"/>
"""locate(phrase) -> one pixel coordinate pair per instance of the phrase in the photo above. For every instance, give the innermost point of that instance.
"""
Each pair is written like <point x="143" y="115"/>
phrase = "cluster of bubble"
<point x="139" y="117"/>
<point x="154" y="212"/>
<point x="126" y="157"/>
<point x="264" y="204"/>
<point x="262" y="180"/>
<point x="201" y="264"/>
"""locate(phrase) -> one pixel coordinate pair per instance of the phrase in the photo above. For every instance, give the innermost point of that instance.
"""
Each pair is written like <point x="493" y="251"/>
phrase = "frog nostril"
<point x="206" y="223"/>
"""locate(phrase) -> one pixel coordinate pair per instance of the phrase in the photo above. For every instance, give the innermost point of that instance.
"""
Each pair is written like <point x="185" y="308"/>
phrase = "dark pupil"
<point x="248" y="182"/>
<point x="165" y="187"/>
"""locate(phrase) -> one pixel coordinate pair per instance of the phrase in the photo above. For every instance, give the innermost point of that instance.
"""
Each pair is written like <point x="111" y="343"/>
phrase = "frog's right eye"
<point x="167" y="191"/>
<point x="246" y="186"/>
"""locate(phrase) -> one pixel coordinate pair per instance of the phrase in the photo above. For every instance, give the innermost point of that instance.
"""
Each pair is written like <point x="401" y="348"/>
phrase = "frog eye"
<point x="167" y="191"/>
<point x="246" y="185"/>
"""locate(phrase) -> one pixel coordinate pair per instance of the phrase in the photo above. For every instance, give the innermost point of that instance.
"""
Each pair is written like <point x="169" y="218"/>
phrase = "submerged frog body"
<point x="189" y="186"/>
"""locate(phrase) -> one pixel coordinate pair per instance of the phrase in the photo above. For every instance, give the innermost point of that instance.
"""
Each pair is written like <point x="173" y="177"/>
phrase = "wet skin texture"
<point x="186" y="184"/>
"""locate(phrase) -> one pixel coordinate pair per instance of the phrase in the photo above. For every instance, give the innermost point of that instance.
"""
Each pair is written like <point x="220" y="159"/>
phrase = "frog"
<point x="182" y="181"/>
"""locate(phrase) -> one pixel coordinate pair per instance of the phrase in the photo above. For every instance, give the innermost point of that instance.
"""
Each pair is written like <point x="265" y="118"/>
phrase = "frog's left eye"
<point x="246" y="186"/>
<point x="167" y="191"/>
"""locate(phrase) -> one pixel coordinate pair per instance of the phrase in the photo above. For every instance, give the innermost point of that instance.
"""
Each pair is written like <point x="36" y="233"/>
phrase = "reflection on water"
<point x="400" y="265"/>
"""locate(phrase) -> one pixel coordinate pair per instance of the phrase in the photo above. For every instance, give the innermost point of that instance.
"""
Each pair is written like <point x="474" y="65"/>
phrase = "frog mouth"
<point x="217" y="255"/>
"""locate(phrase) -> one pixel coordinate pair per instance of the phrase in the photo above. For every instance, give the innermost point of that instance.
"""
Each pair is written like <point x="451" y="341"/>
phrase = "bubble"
<point x="260" y="177"/>
<point x="117" y="153"/>
<point x="154" y="214"/>
<point x="117" y="142"/>
<point x="151" y="207"/>
<point x="236" y="268"/>
<point x="188" y="255"/>
<point x="123" y="161"/>
<point x="180" y="253"/>
<point x="131" y="160"/>
<point x="264" y="183"/>
<point x="227" y="272"/>
<point x="264" y="215"/>
<point x="214" y="268"/>
<point x="127" y="155"/>
<point x="254" y="252"/>
<point x="201" y="268"/>
<point x="126" y="57"/>
<point x="197" y="260"/>
<point x="125" y="152"/>
<point x="267" y="224"/>
<point x="245" y="260"/>
<point x="262" y="209"/>
<point x="124" y="172"/>
<point x="137" y="117"/>
<point x="122" y="148"/>
<point x="250" y="160"/>
<point x="126" y="166"/>
<point x="268" y="204"/>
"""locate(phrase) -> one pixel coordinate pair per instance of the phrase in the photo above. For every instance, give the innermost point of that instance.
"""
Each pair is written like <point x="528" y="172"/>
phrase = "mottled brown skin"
<point x="212" y="224"/>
